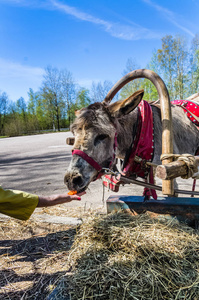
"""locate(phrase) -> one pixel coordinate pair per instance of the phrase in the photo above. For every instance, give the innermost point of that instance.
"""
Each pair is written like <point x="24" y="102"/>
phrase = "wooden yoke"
<point x="167" y="133"/>
<point x="167" y="128"/>
<point x="174" y="169"/>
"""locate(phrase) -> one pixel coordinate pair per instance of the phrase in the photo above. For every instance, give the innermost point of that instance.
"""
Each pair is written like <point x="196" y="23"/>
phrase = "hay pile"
<point x="133" y="257"/>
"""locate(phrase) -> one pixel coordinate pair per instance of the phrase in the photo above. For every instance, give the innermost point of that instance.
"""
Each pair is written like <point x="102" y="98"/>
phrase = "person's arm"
<point x="17" y="204"/>
<point x="20" y="205"/>
<point x="45" y="201"/>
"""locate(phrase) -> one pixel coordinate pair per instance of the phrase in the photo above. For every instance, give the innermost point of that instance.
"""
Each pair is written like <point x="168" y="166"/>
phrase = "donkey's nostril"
<point x="77" y="181"/>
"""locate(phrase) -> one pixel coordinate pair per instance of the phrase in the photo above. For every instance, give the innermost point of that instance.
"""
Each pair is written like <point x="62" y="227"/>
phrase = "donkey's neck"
<point x="125" y="133"/>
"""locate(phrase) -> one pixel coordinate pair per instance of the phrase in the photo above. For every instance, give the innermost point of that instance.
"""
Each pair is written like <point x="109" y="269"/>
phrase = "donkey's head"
<point x="95" y="130"/>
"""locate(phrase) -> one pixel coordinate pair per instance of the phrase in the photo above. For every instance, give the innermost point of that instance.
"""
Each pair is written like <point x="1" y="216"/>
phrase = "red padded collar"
<point x="144" y="143"/>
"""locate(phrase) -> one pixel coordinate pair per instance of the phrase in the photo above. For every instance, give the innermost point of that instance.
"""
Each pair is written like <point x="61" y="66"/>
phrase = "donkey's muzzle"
<point x="74" y="181"/>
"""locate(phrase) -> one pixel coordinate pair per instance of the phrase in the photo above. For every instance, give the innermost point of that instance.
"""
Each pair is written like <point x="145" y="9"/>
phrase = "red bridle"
<point x="87" y="158"/>
<point x="92" y="162"/>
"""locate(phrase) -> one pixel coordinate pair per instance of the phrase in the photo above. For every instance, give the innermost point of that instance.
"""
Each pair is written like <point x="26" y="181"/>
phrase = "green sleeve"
<point x="17" y="204"/>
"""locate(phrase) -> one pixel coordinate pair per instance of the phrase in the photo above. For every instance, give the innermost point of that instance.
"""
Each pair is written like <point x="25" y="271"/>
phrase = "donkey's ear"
<point x="124" y="107"/>
<point x="77" y="113"/>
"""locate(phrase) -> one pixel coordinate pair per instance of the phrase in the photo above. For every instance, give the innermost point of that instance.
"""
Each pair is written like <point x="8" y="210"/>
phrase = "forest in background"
<point x="53" y="106"/>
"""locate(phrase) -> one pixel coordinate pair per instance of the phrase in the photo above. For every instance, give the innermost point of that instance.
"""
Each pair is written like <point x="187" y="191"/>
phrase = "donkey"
<point x="101" y="129"/>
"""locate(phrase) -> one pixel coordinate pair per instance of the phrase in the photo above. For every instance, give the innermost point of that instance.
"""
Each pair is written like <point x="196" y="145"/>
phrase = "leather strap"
<point x="87" y="158"/>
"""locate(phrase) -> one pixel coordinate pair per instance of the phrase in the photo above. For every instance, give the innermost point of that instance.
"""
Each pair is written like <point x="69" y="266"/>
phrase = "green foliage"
<point x="177" y="65"/>
<point x="82" y="99"/>
<point x="173" y="60"/>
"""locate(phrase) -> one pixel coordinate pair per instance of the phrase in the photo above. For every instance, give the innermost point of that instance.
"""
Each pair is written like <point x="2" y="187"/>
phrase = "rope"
<point x="188" y="159"/>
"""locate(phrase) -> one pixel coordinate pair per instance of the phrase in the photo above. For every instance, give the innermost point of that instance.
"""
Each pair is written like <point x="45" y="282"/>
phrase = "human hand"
<point x="45" y="201"/>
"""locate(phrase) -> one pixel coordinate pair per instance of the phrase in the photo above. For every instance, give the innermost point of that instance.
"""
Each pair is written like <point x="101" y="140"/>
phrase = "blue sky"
<point x="91" y="39"/>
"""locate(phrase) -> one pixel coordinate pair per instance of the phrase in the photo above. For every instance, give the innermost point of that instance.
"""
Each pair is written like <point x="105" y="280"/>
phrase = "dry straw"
<point x="125" y="257"/>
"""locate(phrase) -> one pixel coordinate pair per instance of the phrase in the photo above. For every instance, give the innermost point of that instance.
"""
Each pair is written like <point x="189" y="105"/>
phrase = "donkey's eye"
<point x="100" y="138"/>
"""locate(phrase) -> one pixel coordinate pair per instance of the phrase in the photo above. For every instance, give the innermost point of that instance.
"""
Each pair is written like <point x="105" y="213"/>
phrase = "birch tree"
<point x="194" y="66"/>
<point x="99" y="90"/>
<point x="134" y="85"/>
<point x="58" y="92"/>
<point x="181" y="67"/>
<point x="68" y="91"/>
<point x="166" y="58"/>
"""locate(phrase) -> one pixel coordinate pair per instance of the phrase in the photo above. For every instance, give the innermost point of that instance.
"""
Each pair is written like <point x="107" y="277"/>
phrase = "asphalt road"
<point x="37" y="164"/>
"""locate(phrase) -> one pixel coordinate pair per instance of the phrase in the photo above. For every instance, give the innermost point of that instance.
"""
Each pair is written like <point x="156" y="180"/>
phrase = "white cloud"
<point x="169" y="15"/>
<point x="10" y="69"/>
<point x="16" y="79"/>
<point x="86" y="83"/>
<point x="117" y="30"/>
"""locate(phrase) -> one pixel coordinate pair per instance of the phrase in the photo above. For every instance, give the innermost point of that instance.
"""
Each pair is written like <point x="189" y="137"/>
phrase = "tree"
<point x="69" y="95"/>
<point x="181" y="59"/>
<point x="58" y="93"/>
<point x="166" y="58"/>
<point x="173" y="59"/>
<point x="51" y="95"/>
<point x="100" y="90"/>
<point x="32" y="102"/>
<point x="193" y="86"/>
<point x="22" y="114"/>
<point x="13" y="125"/>
<point x="82" y="99"/>
<point x="35" y="111"/>
<point x="21" y="107"/>
<point x="3" y="111"/>
<point x="150" y="91"/>
<point x="134" y="85"/>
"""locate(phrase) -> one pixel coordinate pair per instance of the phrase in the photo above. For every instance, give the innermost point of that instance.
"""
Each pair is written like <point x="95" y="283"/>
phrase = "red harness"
<point x="190" y="108"/>
<point x="142" y="149"/>
<point x="143" y="143"/>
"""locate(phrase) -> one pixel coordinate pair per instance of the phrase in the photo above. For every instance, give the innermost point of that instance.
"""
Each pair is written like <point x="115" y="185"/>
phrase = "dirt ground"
<point x="34" y="255"/>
